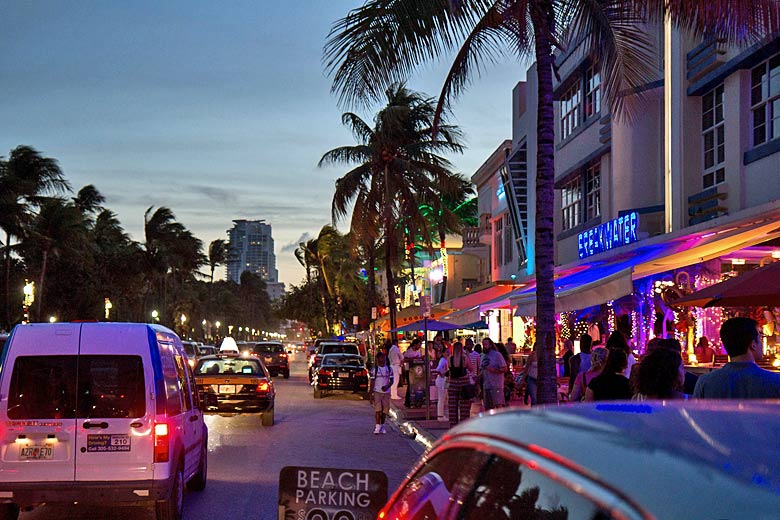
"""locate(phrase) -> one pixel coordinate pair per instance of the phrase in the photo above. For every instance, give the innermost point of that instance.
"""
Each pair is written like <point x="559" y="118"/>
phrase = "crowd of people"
<point x="475" y="377"/>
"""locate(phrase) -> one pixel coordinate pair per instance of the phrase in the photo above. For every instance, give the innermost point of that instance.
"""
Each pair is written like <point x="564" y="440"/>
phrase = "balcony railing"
<point x="471" y="237"/>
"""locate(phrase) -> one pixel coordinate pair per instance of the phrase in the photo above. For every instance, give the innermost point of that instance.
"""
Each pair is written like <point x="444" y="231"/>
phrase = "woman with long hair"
<point x="611" y="384"/>
<point x="460" y="376"/>
<point x="598" y="356"/>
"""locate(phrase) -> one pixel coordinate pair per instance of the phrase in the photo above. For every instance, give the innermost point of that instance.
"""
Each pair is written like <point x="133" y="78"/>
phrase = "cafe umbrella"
<point x="425" y="325"/>
<point x="757" y="288"/>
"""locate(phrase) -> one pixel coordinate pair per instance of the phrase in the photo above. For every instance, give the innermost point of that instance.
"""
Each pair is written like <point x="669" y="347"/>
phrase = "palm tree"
<point x="396" y="162"/>
<point x="382" y="41"/>
<point x="58" y="225"/>
<point x="25" y="178"/>
<point x="217" y="255"/>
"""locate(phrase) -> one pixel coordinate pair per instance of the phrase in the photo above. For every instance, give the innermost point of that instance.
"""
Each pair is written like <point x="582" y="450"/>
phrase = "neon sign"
<point x="609" y="235"/>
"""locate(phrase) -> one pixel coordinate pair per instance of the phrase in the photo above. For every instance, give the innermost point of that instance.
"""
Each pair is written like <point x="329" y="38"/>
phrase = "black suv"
<point x="329" y="347"/>
<point x="273" y="355"/>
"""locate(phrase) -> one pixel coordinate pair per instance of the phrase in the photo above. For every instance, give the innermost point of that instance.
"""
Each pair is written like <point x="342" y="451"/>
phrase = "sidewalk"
<point x="412" y="422"/>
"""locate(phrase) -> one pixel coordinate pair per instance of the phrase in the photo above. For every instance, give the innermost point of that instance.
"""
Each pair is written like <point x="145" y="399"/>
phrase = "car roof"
<point x="713" y="455"/>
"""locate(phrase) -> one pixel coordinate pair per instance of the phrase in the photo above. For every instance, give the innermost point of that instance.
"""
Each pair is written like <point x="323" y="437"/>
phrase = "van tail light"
<point x="161" y="442"/>
<point x="283" y="356"/>
<point x="262" y="387"/>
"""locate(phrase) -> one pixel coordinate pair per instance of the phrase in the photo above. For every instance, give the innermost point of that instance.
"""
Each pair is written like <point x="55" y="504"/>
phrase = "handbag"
<point x="468" y="391"/>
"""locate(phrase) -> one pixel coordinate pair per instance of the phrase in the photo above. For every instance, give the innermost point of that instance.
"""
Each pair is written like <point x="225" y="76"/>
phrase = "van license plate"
<point x="227" y="389"/>
<point x="35" y="453"/>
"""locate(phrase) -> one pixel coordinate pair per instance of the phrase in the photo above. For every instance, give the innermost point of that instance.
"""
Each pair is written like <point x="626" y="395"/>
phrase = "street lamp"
<point x="108" y="306"/>
<point x="29" y="298"/>
<point x="155" y="315"/>
<point x="52" y="319"/>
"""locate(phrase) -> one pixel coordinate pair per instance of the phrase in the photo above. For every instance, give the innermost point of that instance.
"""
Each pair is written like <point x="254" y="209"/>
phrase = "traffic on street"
<point x="245" y="458"/>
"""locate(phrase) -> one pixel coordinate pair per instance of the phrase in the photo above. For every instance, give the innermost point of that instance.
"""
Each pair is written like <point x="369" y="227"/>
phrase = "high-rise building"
<point x="251" y="248"/>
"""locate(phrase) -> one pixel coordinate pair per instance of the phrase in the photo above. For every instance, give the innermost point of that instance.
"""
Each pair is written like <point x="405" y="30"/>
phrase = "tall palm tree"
<point x="217" y="255"/>
<point x="25" y="177"/>
<point x="382" y="42"/>
<point x="396" y="161"/>
<point x="58" y="225"/>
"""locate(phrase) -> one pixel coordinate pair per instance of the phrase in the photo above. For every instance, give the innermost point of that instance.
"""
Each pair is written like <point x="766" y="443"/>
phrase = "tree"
<point x="382" y="41"/>
<point x="397" y="162"/>
<point x="25" y="178"/>
<point x="57" y="226"/>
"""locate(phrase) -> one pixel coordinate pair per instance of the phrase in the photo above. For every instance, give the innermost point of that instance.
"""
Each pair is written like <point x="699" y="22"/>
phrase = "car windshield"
<point x="268" y="349"/>
<point x="341" y="348"/>
<point x="231" y="366"/>
<point x="342" y="361"/>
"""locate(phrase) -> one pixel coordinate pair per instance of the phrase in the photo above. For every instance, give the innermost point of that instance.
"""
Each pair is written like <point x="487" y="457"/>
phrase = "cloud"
<point x="291" y="246"/>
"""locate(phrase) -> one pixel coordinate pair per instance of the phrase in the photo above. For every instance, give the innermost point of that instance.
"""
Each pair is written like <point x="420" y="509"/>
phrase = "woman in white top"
<point x="441" y="383"/>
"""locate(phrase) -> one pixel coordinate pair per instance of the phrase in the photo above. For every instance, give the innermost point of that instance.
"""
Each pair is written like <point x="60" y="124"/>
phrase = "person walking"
<point x="741" y="377"/>
<point x="460" y="377"/>
<point x="474" y="358"/>
<point x="660" y="375"/>
<point x="568" y="353"/>
<point x="381" y="381"/>
<point x="441" y="370"/>
<point x="395" y="359"/>
<point x="611" y="384"/>
<point x="598" y="357"/>
<point x="493" y="367"/>
<point x="529" y="376"/>
<point x="581" y="362"/>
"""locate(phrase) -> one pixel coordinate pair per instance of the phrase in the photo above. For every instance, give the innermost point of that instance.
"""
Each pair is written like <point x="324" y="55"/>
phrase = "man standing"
<point x="493" y="368"/>
<point x="395" y="358"/>
<point x="511" y="346"/>
<point x="741" y="377"/>
<point x="381" y="381"/>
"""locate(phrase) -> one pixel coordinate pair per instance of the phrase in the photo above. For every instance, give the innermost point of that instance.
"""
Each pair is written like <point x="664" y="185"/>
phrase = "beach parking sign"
<point x="331" y="494"/>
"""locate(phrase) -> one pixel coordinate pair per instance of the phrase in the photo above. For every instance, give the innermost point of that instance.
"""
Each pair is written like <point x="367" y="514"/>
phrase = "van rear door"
<point x="38" y="405"/>
<point x="115" y="411"/>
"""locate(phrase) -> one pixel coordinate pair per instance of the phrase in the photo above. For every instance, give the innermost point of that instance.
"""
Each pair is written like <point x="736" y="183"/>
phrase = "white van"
<point x="103" y="413"/>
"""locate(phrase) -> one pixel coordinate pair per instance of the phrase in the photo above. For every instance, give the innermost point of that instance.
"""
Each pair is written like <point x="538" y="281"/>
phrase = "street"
<point x="245" y="458"/>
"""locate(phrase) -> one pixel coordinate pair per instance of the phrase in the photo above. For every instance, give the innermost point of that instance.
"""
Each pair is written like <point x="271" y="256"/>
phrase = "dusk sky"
<point x="218" y="110"/>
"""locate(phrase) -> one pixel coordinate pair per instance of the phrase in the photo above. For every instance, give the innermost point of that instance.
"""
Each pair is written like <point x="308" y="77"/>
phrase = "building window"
<point x="507" y="240"/>
<point x="570" y="110"/>
<point x="592" y="92"/>
<point x="571" y="197"/>
<point x="593" y="191"/>
<point x="765" y="100"/>
<point x="498" y="243"/>
<point x="713" y="133"/>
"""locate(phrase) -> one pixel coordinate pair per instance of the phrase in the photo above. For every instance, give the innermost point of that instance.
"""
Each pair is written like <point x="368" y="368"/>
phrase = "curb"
<point x="411" y="428"/>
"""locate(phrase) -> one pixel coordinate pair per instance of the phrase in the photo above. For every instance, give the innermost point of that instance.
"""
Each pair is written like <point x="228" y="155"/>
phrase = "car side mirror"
<point x="208" y="401"/>
<point x="289" y="351"/>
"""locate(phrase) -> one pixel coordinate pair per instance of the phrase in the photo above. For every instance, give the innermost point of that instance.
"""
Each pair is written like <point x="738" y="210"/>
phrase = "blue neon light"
<point x="615" y="233"/>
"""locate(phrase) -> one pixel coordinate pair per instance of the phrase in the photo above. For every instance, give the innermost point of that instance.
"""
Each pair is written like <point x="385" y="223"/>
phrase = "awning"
<point x="406" y="316"/>
<point x="478" y="297"/>
<point x="609" y="276"/>
<point x="580" y="296"/>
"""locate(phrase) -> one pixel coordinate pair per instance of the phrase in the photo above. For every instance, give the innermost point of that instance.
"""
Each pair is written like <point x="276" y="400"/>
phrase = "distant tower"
<point x="251" y="248"/>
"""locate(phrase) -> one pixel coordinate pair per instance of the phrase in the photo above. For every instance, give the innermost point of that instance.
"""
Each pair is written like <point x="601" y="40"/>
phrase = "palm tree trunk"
<point x="7" y="281"/>
<point x="371" y="279"/>
<point x="389" y="248"/>
<point x="545" y="208"/>
<point x="442" y="244"/>
<point x="39" y="307"/>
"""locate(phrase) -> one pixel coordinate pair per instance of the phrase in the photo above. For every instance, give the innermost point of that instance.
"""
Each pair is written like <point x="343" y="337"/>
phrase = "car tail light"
<point x="284" y="356"/>
<point x="326" y="372"/>
<point x="361" y="373"/>
<point x="161" y="442"/>
<point x="262" y="387"/>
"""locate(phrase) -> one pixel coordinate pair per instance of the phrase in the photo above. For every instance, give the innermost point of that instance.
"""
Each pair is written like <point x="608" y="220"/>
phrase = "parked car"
<point x="236" y="384"/>
<point x="329" y="347"/>
<point x="273" y="355"/>
<point x="681" y="459"/>
<point x="206" y="350"/>
<point x="192" y="350"/>
<point x="340" y="373"/>
<point x="99" y="413"/>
